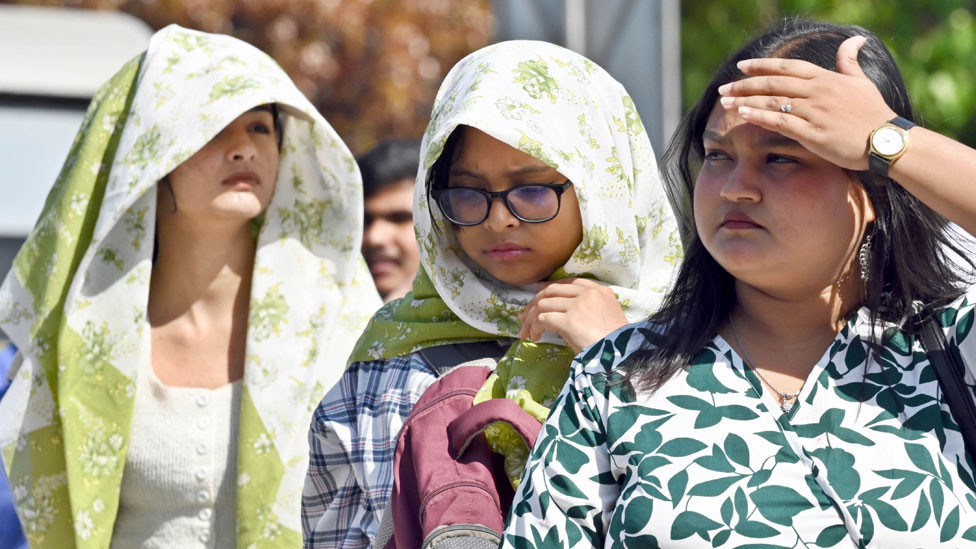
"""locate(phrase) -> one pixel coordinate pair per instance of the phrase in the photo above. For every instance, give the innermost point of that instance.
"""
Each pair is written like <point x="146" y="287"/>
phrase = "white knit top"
<point x="179" y="484"/>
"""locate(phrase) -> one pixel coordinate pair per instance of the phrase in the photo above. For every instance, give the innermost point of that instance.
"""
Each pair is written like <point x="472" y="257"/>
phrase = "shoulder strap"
<point x="385" y="531"/>
<point x="445" y="357"/>
<point x="950" y="373"/>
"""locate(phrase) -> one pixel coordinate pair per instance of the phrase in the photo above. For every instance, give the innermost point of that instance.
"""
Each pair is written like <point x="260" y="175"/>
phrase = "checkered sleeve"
<point x="352" y="440"/>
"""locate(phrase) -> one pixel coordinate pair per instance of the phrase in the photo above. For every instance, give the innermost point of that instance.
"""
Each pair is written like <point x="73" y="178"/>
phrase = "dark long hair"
<point x="909" y="268"/>
<point x="440" y="171"/>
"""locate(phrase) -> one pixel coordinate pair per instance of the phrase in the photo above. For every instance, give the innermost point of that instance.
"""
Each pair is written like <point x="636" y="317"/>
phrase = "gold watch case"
<point x="889" y="141"/>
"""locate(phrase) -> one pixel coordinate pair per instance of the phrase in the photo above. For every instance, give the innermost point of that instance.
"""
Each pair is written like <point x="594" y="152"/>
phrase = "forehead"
<point x="726" y="125"/>
<point x="480" y="150"/>
<point x="395" y="197"/>
<point x="263" y="108"/>
<point x="256" y="113"/>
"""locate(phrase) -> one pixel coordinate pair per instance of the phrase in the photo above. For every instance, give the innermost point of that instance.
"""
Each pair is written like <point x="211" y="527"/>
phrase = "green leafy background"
<point x="934" y="42"/>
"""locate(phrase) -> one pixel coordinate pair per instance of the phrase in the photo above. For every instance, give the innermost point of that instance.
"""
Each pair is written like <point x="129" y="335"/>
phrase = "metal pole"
<point x="670" y="67"/>
<point x="576" y="25"/>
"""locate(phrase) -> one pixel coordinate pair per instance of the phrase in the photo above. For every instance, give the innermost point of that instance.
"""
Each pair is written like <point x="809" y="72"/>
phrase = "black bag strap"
<point x="950" y="372"/>
<point x="445" y="357"/>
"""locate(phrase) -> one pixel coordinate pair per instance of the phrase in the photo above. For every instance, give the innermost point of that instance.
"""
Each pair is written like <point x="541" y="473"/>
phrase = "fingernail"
<point x="745" y="111"/>
<point x="724" y="89"/>
<point x="744" y="64"/>
<point x="727" y="101"/>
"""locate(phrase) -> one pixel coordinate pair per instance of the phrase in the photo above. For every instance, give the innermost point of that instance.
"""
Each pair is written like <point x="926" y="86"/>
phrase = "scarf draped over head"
<point x="566" y="111"/>
<point x="75" y="301"/>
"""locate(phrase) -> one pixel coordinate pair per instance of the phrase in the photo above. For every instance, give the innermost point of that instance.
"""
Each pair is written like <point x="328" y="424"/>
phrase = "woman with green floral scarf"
<point x="175" y="337"/>
<point x="542" y="225"/>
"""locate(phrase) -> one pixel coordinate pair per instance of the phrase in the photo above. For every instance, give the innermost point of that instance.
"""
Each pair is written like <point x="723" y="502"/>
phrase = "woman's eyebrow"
<point x="466" y="173"/>
<point x="778" y="140"/>
<point x="768" y="140"/>
<point x="516" y="172"/>
<point x="712" y="135"/>
<point x="530" y="170"/>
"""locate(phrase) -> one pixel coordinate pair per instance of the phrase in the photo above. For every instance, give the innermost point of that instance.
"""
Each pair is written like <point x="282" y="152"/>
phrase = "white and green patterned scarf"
<point x="75" y="301"/>
<point x="561" y="108"/>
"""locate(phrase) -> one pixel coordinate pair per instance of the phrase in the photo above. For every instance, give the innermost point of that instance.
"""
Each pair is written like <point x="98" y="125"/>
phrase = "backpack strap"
<point x="444" y="358"/>
<point x="462" y="429"/>
<point x="949" y="371"/>
<point x="385" y="531"/>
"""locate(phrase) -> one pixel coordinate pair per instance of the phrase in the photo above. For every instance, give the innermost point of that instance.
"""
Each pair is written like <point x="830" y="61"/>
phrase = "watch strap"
<point x="877" y="164"/>
<point x="902" y="123"/>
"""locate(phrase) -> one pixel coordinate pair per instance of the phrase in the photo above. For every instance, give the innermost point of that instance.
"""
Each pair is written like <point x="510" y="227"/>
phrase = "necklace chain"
<point x="784" y="397"/>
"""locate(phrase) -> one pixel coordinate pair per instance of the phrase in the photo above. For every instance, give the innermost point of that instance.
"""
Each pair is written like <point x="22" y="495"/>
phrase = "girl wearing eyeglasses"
<point x="542" y="226"/>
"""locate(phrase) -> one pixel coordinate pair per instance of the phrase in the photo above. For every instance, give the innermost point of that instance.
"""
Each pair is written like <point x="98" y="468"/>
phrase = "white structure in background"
<point x="52" y="60"/>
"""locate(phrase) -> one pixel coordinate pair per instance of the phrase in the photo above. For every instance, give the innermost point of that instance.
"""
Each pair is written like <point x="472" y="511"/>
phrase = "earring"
<point x="864" y="258"/>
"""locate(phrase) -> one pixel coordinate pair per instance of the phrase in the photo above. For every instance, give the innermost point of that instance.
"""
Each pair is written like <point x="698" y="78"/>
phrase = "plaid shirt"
<point x="352" y="440"/>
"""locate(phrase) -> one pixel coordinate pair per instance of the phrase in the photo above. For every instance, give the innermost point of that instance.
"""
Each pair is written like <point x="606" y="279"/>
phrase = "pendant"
<point x="786" y="406"/>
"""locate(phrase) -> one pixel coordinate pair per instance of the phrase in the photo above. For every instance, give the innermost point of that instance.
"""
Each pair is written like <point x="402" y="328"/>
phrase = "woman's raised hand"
<point x="581" y="311"/>
<point x="830" y="113"/>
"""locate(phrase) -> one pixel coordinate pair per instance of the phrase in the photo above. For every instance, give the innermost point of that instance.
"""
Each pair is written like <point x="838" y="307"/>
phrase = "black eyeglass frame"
<point x="559" y="189"/>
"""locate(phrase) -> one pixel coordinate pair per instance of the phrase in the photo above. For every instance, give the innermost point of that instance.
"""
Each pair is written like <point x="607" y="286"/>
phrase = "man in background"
<point x="389" y="244"/>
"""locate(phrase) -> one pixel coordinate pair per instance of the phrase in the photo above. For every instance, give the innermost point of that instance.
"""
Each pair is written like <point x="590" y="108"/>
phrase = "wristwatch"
<point x="888" y="142"/>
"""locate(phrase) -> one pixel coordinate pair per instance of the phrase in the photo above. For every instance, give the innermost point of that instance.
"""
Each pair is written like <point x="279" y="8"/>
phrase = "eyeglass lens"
<point x="528" y="202"/>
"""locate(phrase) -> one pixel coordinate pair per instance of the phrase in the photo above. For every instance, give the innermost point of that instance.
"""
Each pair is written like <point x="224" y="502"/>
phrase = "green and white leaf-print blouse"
<point x="75" y="300"/>
<point x="869" y="455"/>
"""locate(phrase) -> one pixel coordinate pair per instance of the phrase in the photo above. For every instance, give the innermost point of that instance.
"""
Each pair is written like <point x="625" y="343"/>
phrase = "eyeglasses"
<point x="466" y="206"/>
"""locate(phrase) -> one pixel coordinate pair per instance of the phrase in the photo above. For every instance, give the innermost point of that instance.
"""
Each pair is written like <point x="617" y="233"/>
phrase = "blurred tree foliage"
<point x="372" y="67"/>
<point x="934" y="42"/>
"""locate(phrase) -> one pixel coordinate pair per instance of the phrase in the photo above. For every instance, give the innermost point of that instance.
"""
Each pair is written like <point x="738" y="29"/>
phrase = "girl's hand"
<point x="832" y="114"/>
<point x="581" y="311"/>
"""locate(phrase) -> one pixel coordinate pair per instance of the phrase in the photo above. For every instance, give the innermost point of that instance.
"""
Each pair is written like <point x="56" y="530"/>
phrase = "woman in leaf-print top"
<point x="781" y="397"/>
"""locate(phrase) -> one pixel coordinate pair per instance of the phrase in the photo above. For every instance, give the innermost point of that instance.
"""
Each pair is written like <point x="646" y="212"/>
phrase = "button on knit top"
<point x="178" y="484"/>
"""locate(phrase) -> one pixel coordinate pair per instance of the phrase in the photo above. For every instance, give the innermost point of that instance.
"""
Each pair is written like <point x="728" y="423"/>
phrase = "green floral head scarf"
<point x="562" y="109"/>
<point x="75" y="301"/>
